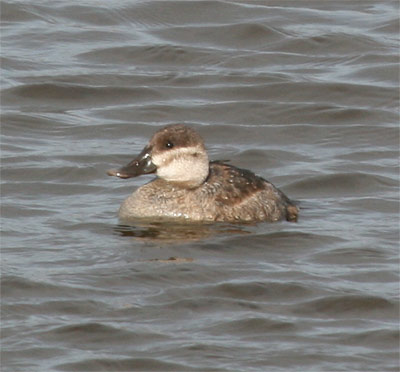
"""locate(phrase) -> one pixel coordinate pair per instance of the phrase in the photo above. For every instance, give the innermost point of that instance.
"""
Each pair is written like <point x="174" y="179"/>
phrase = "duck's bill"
<point x="141" y="165"/>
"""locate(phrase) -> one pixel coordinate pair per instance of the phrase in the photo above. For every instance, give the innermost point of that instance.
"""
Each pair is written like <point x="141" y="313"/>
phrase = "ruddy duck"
<point x="190" y="187"/>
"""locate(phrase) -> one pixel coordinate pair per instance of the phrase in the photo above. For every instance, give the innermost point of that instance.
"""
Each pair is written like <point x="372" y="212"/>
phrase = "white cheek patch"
<point x="182" y="164"/>
<point x="175" y="171"/>
<point x="174" y="155"/>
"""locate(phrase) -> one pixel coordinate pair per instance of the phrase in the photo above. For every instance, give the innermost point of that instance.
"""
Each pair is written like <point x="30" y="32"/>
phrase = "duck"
<point x="190" y="187"/>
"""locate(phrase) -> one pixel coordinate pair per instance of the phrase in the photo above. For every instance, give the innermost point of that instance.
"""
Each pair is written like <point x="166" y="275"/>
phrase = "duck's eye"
<point x="169" y="145"/>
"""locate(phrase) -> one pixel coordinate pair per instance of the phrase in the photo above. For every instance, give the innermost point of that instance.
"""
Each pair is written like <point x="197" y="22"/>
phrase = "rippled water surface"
<point x="304" y="93"/>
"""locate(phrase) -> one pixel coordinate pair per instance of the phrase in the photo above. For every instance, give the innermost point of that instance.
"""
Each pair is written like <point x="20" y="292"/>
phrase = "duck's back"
<point x="242" y="196"/>
<point x="228" y="194"/>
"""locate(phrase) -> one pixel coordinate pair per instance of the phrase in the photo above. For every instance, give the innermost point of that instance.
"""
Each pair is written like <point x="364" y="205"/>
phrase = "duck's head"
<point x="175" y="153"/>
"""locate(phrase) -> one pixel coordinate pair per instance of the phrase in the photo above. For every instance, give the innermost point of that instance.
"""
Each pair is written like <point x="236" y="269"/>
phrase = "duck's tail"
<point x="292" y="213"/>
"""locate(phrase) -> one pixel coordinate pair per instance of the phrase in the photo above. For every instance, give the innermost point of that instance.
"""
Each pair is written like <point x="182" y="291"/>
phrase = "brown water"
<point x="304" y="93"/>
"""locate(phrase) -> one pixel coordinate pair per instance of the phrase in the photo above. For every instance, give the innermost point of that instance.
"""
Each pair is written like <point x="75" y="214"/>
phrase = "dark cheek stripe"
<point x="176" y="155"/>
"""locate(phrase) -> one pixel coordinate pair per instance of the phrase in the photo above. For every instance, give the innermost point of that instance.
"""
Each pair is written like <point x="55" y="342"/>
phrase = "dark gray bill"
<point x="141" y="165"/>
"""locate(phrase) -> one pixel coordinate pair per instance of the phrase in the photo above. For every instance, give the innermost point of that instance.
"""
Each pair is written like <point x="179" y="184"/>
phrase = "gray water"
<point x="304" y="93"/>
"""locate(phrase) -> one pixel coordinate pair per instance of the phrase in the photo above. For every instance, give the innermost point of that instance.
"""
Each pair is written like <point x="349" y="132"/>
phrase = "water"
<point x="304" y="93"/>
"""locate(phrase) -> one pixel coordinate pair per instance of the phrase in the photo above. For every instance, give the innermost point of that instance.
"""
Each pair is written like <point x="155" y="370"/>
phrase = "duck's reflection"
<point x="171" y="231"/>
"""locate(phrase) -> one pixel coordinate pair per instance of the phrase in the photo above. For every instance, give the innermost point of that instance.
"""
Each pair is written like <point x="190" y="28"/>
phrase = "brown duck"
<point x="190" y="187"/>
